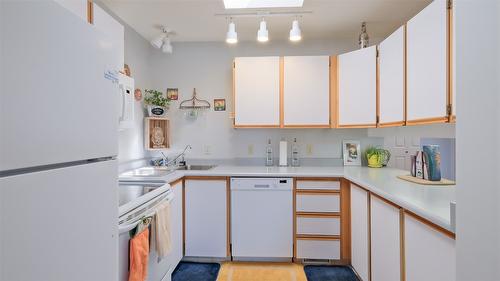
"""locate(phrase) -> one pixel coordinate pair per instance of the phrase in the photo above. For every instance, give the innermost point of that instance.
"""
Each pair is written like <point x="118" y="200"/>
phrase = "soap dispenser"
<point x="269" y="154"/>
<point x="295" y="153"/>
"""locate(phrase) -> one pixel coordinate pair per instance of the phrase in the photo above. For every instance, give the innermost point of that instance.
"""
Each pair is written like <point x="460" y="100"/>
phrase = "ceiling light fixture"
<point x="258" y="4"/>
<point x="295" y="33"/>
<point x="263" y="34"/>
<point x="232" y="36"/>
<point x="167" y="46"/>
<point x="162" y="41"/>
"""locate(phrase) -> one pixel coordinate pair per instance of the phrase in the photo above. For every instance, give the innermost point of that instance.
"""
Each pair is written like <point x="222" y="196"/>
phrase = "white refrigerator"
<point x="58" y="146"/>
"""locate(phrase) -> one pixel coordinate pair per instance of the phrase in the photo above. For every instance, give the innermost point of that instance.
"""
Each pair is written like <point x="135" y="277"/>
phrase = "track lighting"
<point x="364" y="39"/>
<point x="232" y="36"/>
<point x="162" y="41"/>
<point x="263" y="34"/>
<point x="167" y="46"/>
<point x="295" y="33"/>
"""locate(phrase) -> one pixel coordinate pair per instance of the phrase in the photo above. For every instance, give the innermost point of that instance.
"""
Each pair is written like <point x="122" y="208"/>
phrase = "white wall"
<point x="208" y="67"/>
<point x="478" y="139"/>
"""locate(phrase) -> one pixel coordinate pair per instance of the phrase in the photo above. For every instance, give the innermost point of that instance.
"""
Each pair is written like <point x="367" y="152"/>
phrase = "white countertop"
<point x="429" y="202"/>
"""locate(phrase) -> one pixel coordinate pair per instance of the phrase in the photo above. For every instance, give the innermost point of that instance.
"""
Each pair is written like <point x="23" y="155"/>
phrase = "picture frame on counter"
<point x="351" y="151"/>
<point x="219" y="104"/>
<point x="173" y="93"/>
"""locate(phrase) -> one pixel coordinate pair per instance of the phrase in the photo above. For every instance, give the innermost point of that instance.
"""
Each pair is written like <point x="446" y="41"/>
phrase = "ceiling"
<point x="195" y="20"/>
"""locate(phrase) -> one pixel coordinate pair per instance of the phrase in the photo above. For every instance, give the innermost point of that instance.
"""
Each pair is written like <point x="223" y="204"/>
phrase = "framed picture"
<point x="173" y="93"/>
<point x="351" y="152"/>
<point x="219" y="104"/>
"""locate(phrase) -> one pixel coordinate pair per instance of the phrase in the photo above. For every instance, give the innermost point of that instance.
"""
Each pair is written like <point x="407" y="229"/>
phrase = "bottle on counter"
<point x="269" y="154"/>
<point x="295" y="153"/>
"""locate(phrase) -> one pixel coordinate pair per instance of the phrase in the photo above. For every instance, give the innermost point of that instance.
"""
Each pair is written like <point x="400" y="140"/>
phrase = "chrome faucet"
<point x="167" y="163"/>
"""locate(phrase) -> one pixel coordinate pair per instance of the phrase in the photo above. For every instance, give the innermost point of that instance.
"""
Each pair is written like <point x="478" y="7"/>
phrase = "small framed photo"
<point x="220" y="104"/>
<point x="173" y="93"/>
<point x="352" y="153"/>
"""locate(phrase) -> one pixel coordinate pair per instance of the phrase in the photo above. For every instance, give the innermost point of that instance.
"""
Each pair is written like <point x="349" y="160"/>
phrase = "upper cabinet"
<point x="114" y="32"/>
<point x="392" y="80"/>
<point x="428" y="71"/>
<point x="357" y="91"/>
<point x="81" y="8"/>
<point x="306" y="91"/>
<point x="256" y="92"/>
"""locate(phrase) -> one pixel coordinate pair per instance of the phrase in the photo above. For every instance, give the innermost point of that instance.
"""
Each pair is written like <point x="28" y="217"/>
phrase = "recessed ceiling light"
<point x="256" y="4"/>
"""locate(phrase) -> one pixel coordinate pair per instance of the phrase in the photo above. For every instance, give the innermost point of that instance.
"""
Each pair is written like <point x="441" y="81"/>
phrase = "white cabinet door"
<point x="257" y="91"/>
<point x="176" y="220"/>
<point x="357" y="89"/>
<point x="115" y="35"/>
<point x="427" y="63"/>
<point x="391" y="79"/>
<point x="306" y="92"/>
<point x="78" y="7"/>
<point x="206" y="218"/>
<point x="429" y="254"/>
<point x="359" y="232"/>
<point x="385" y="241"/>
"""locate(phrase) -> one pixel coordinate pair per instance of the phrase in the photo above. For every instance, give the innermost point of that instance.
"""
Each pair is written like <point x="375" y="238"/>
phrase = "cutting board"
<point x="426" y="182"/>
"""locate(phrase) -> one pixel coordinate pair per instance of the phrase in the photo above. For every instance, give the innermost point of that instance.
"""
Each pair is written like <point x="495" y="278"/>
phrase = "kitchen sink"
<point x="196" y="167"/>
<point x="147" y="172"/>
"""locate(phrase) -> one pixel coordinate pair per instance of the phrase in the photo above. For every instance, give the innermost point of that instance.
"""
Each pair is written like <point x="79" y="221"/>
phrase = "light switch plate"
<point x="250" y="149"/>
<point x="309" y="149"/>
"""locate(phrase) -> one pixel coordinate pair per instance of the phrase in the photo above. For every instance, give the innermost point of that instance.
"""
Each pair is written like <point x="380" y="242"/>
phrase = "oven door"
<point x="157" y="269"/>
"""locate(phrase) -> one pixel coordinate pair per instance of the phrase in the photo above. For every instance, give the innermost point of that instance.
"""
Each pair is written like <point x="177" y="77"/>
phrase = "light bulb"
<point x="263" y="34"/>
<point x="295" y="33"/>
<point x="232" y="36"/>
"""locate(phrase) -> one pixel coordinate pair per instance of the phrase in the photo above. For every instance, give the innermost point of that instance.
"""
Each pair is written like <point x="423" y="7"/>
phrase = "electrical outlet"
<point x="207" y="149"/>
<point x="309" y="149"/>
<point x="250" y="149"/>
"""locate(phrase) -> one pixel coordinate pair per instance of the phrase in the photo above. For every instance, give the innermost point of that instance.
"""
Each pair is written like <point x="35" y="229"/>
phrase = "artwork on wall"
<point x="219" y="104"/>
<point x="173" y="93"/>
<point x="138" y="94"/>
<point x="351" y="152"/>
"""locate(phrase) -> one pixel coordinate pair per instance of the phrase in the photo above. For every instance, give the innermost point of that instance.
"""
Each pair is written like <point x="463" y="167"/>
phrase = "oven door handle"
<point x="128" y="227"/>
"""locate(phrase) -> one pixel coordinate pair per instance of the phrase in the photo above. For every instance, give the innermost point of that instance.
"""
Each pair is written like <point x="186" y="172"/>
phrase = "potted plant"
<point x="156" y="103"/>
<point x="374" y="156"/>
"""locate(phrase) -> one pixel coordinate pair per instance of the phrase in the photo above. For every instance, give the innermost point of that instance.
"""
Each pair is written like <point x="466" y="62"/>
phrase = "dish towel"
<point x="139" y="253"/>
<point x="162" y="230"/>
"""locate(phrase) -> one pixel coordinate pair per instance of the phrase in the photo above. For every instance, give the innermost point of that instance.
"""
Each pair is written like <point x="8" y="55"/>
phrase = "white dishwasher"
<point x="262" y="218"/>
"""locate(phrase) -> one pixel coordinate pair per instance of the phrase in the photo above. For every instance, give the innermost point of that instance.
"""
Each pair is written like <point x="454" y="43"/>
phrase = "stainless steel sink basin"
<point x="196" y="167"/>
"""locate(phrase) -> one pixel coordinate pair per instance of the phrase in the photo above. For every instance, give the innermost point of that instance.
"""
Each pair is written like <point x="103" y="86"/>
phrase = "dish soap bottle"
<point x="269" y="154"/>
<point x="295" y="153"/>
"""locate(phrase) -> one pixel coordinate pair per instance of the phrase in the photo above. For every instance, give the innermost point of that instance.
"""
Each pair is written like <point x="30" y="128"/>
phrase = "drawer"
<point x="329" y="203"/>
<point x="318" y="249"/>
<point x="321" y="185"/>
<point x="318" y="226"/>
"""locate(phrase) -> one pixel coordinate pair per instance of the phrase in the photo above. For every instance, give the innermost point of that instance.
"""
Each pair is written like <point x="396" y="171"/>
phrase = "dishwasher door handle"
<point x="261" y="186"/>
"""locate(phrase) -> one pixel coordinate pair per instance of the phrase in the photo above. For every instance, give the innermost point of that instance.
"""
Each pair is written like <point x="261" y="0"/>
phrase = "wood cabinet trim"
<point x="204" y="178"/>
<point x="394" y="205"/>
<point x="318" y="192"/>
<point x="425" y="121"/>
<point x="392" y="124"/>
<point x="377" y="85"/>
<point x="355" y="126"/>
<point x="305" y="126"/>
<point x="345" y="221"/>
<point x="334" y="91"/>
<point x="318" y="179"/>
<point x="175" y="182"/>
<point x="295" y="214"/>
<point x="402" y="244"/>
<point x="318" y="214"/>
<point x="183" y="217"/>
<point x="431" y="224"/>
<point x="228" y="218"/>
<point x="405" y="75"/>
<point x="255" y="126"/>
<point x="318" y="237"/>
<point x="90" y="11"/>
<point x="449" y="58"/>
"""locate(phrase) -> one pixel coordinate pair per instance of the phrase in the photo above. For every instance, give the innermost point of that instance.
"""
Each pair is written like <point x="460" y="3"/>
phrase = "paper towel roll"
<point x="283" y="153"/>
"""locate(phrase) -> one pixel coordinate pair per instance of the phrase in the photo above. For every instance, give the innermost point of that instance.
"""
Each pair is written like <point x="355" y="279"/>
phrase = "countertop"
<point x="430" y="202"/>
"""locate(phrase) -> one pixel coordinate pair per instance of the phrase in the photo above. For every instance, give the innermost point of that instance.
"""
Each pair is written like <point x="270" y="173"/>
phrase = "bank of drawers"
<point x="317" y="219"/>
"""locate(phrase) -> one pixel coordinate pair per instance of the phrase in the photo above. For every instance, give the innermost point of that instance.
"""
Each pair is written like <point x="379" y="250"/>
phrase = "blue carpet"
<point x="329" y="273"/>
<point x="190" y="271"/>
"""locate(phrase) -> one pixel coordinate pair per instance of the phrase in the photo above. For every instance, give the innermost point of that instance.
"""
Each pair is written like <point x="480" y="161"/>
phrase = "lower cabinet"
<point x="328" y="249"/>
<point x="360" y="240"/>
<point x="176" y="225"/>
<point x="429" y="254"/>
<point x="385" y="240"/>
<point x="206" y="218"/>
